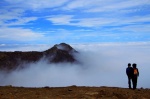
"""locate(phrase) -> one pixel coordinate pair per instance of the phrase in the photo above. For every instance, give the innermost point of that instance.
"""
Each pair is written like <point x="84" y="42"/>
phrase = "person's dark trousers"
<point x="129" y="81"/>
<point x="134" y="82"/>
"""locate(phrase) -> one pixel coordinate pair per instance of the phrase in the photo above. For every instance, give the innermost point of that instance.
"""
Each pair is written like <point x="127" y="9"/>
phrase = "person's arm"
<point x="138" y="72"/>
<point x="126" y="71"/>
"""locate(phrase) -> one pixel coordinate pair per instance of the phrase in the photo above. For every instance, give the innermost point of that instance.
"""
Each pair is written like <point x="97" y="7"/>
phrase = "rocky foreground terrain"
<point x="72" y="92"/>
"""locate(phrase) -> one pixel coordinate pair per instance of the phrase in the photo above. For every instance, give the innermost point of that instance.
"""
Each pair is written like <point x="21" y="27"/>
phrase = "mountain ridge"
<point x="58" y="53"/>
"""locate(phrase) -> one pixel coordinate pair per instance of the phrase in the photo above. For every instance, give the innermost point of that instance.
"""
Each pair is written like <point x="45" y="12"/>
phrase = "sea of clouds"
<point x="100" y="65"/>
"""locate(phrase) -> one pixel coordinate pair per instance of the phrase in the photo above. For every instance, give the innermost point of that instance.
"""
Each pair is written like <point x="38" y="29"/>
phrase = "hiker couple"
<point x="132" y="73"/>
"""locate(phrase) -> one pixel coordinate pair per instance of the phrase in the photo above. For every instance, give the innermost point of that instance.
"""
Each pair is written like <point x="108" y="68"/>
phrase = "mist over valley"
<point x="90" y="65"/>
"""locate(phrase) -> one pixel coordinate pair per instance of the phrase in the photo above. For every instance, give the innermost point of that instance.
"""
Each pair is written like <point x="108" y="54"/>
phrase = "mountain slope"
<point x="58" y="53"/>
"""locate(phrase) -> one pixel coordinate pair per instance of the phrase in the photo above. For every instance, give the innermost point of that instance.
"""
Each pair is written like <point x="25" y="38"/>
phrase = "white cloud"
<point x="102" y="65"/>
<point x="136" y="28"/>
<point x="96" y="21"/>
<point x="36" y="5"/>
<point x="84" y="4"/>
<point x="102" y="19"/>
<point x="76" y="4"/>
<point x="84" y="22"/>
<point x="61" y="19"/>
<point x="19" y="34"/>
<point x="7" y="14"/>
<point x="21" y="21"/>
<point x="14" y="17"/>
<point x="78" y="13"/>
<point x="104" y="6"/>
<point x="135" y="19"/>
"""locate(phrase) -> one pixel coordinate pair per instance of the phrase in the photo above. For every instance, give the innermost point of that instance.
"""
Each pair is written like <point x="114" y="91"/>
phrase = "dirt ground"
<point x="72" y="92"/>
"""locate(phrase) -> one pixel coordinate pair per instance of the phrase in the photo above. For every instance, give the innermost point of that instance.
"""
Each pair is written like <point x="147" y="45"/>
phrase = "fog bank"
<point x="100" y="65"/>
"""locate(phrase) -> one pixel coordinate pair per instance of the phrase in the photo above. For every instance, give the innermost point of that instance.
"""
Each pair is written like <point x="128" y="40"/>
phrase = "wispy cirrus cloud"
<point x="120" y="6"/>
<point x="19" y="34"/>
<point x="18" y="21"/>
<point x="107" y="19"/>
<point x="96" y="21"/>
<point x="79" y="22"/>
<point x="36" y="5"/>
<point x="103" y="6"/>
<point x="61" y="19"/>
<point x="14" y="12"/>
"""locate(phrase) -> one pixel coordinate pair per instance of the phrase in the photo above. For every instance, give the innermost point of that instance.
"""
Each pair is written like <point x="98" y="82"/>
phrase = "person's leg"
<point x="135" y="82"/>
<point x="129" y="82"/>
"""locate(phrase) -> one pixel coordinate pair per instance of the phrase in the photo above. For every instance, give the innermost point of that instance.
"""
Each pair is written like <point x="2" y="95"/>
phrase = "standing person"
<point x="129" y="72"/>
<point x="135" y="75"/>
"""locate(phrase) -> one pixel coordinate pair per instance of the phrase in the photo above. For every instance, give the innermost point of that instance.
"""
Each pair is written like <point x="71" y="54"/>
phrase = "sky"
<point x="108" y="33"/>
<point x="74" y="21"/>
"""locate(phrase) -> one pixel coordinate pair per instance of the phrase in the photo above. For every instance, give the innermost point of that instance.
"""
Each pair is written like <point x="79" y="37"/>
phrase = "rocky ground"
<point x="72" y="92"/>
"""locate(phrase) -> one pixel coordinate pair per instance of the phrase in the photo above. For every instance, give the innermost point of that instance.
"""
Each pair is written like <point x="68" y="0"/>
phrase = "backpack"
<point x="135" y="71"/>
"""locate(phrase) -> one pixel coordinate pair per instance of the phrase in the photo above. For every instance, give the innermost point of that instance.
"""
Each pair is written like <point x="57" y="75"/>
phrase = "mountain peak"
<point x="58" y="53"/>
<point x="61" y="53"/>
<point x="64" y="46"/>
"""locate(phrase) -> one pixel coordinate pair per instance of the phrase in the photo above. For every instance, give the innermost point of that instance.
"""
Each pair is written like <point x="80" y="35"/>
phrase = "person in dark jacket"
<point x="135" y="75"/>
<point x="129" y="72"/>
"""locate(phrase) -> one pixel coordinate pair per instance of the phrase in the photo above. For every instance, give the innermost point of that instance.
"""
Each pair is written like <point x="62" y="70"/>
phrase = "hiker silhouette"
<point x="129" y="72"/>
<point x="135" y="75"/>
<point x="132" y="74"/>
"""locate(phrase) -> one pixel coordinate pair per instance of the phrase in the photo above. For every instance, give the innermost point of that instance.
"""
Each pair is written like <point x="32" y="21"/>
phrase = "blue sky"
<point x="74" y="21"/>
<point x="120" y="30"/>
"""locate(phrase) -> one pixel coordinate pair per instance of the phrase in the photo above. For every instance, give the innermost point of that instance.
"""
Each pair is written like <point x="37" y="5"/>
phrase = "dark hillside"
<point x="58" y="53"/>
<point x="11" y="60"/>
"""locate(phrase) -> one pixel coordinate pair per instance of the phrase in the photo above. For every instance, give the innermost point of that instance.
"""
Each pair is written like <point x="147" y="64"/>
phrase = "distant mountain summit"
<point x="58" y="53"/>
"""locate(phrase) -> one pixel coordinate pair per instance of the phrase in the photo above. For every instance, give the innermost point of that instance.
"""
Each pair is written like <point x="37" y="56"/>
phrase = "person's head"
<point x="134" y="65"/>
<point x="129" y="65"/>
